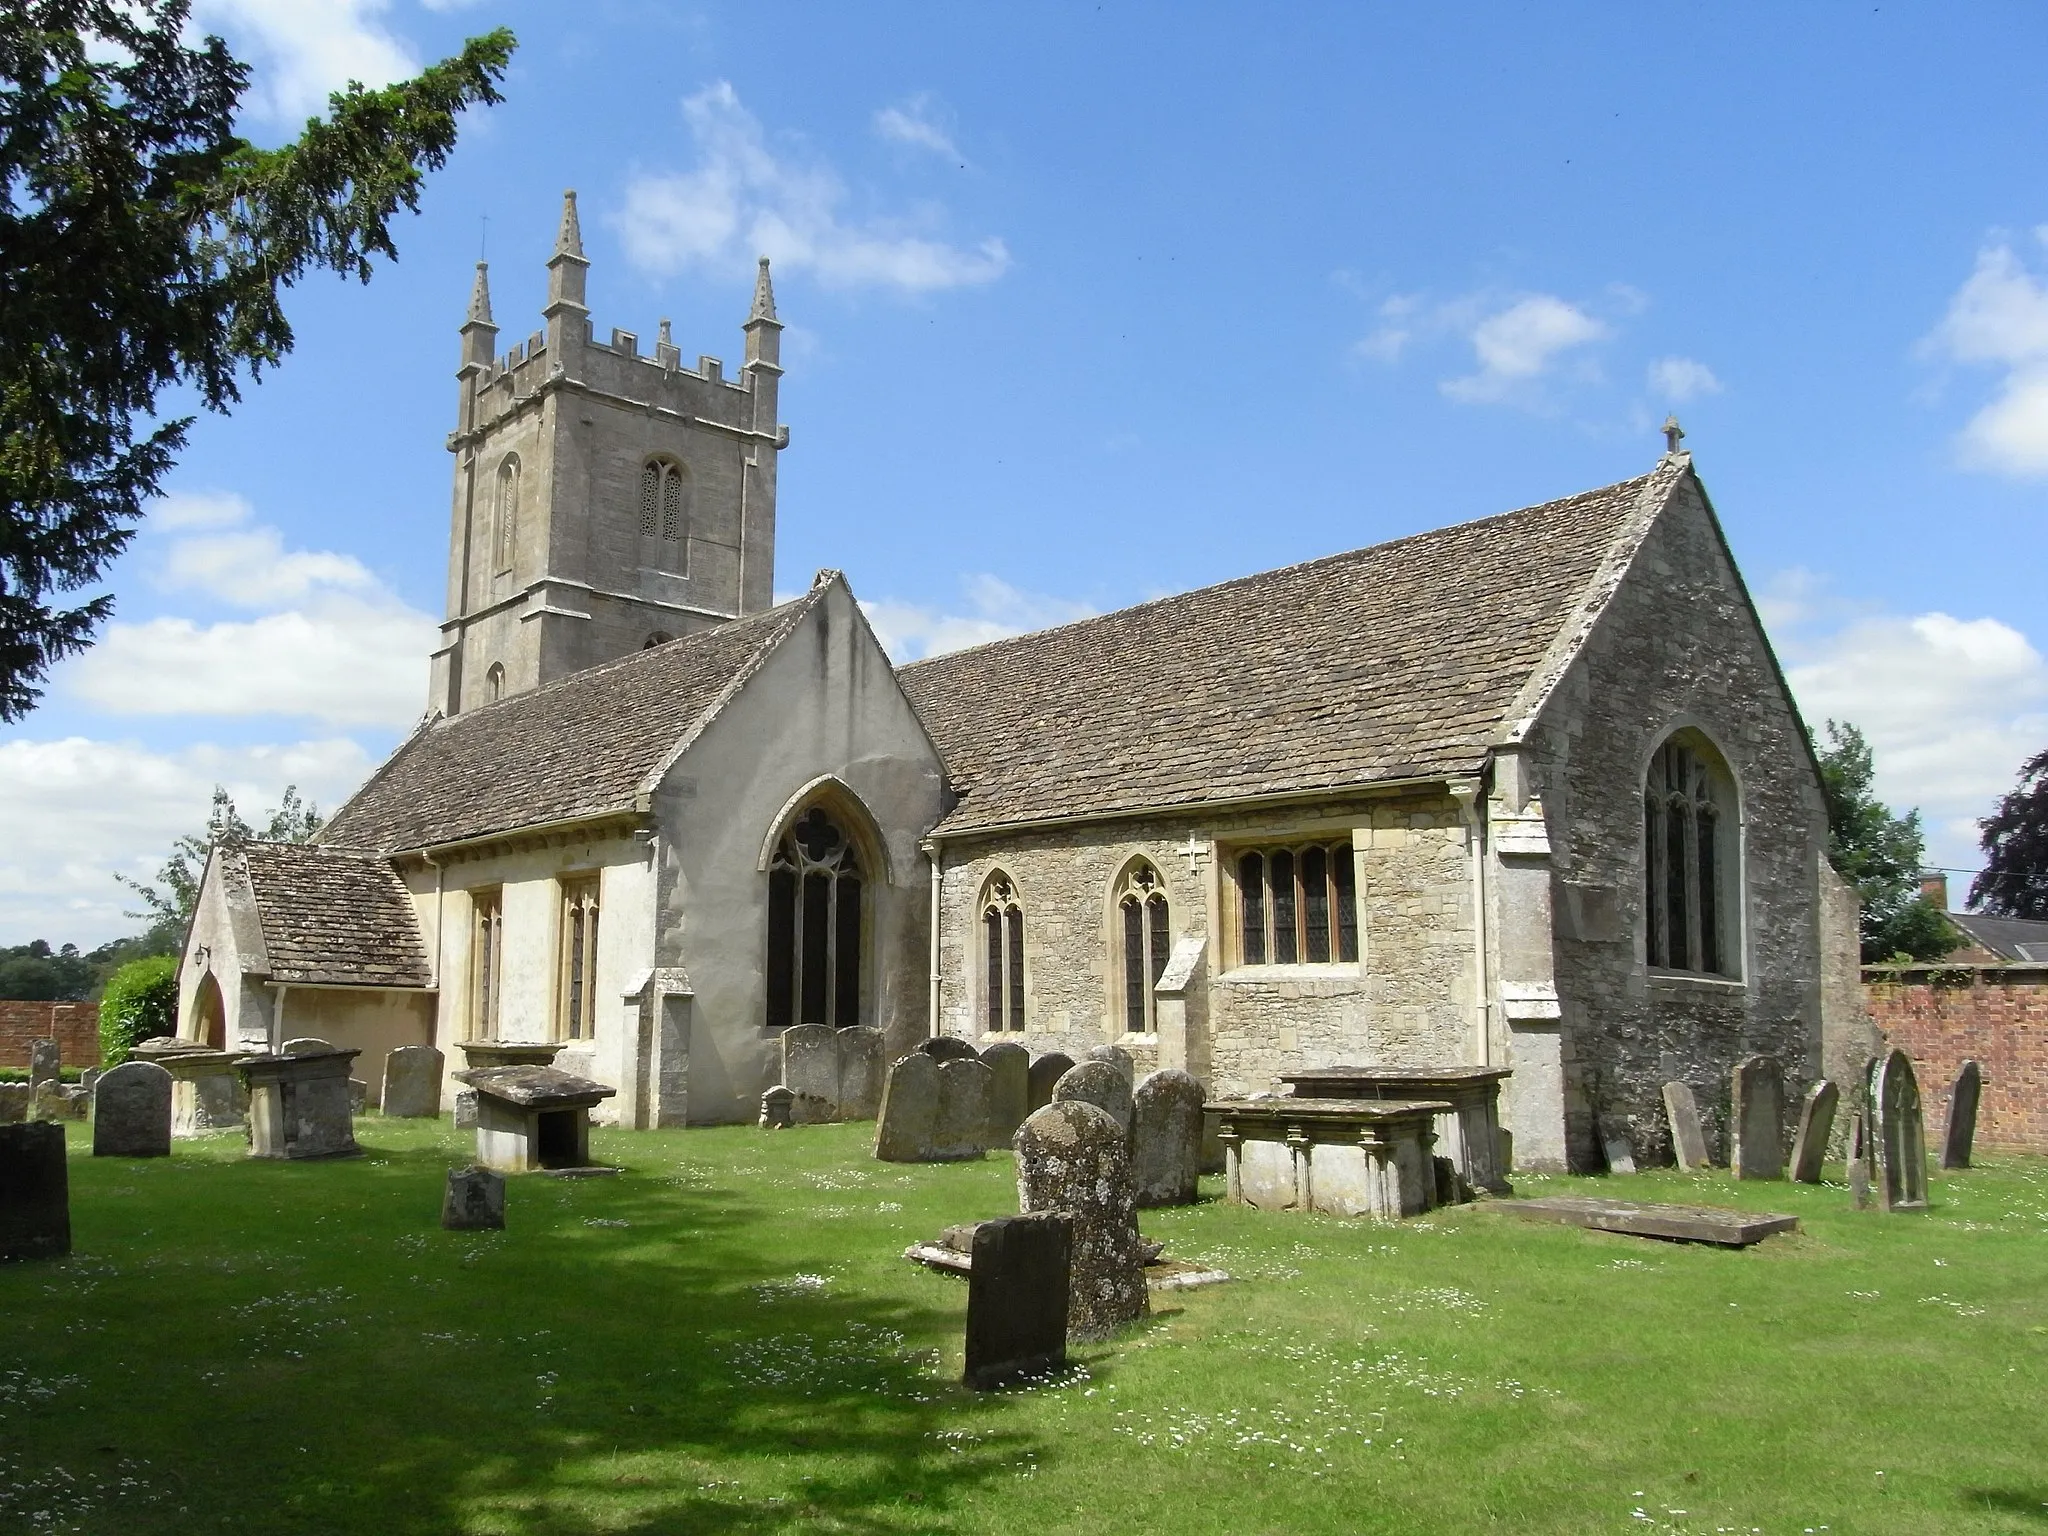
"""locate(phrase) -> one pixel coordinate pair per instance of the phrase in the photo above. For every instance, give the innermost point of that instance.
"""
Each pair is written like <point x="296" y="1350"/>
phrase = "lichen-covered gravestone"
<point x="960" y="1131"/>
<point x="1757" y="1118"/>
<point x="412" y="1083"/>
<point x="1119" y="1058"/>
<point x="948" y="1048"/>
<point x="45" y="1063"/>
<point x="1166" y="1138"/>
<point x="1045" y="1076"/>
<point x="1962" y="1116"/>
<point x="474" y="1202"/>
<point x="910" y="1110"/>
<point x="1017" y="1298"/>
<point x="862" y="1063"/>
<point x="778" y="1108"/>
<point x="1101" y="1084"/>
<point x="810" y="1069"/>
<point x="1898" y="1141"/>
<point x="131" y="1111"/>
<point x="1010" y="1097"/>
<point x="1688" y="1143"/>
<point x="35" y="1193"/>
<point x="1816" y="1124"/>
<point x="1072" y="1157"/>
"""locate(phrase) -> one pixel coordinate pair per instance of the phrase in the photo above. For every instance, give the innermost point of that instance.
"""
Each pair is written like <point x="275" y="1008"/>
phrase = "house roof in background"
<point x="2009" y="938"/>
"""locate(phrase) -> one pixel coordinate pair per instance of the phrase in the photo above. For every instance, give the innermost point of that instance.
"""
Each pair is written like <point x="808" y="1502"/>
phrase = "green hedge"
<point x="141" y="1000"/>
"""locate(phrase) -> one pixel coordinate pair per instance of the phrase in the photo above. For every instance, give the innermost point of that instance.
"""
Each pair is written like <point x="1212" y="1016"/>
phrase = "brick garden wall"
<point x="1942" y="1016"/>
<point x="74" y="1026"/>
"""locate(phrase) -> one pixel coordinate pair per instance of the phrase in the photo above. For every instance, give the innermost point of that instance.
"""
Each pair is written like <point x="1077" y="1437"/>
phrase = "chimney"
<point x="1934" y="887"/>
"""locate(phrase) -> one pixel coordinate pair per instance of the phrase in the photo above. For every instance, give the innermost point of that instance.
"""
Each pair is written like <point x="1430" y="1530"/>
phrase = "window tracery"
<point x="815" y="925"/>
<point x="664" y="512"/>
<point x="1687" y="863"/>
<point x="1002" y="923"/>
<point x="577" y="1007"/>
<point x="1145" y="928"/>
<point x="486" y="962"/>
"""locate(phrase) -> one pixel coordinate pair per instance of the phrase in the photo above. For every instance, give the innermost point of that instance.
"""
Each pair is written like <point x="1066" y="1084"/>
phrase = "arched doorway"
<point x="210" y="1014"/>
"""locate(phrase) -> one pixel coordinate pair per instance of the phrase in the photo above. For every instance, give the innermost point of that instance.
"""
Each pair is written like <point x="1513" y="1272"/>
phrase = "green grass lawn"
<point x="724" y="1338"/>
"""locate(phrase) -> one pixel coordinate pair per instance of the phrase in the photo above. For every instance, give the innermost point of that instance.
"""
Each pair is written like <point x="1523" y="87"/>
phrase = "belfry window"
<point x="1144" y="929"/>
<point x="814" y="925"/>
<point x="664" y="513"/>
<point x="1002" y="928"/>
<point x="486" y="962"/>
<point x="576" y="1007"/>
<point x="505" y="521"/>
<point x="1297" y="905"/>
<point x="1688" y="862"/>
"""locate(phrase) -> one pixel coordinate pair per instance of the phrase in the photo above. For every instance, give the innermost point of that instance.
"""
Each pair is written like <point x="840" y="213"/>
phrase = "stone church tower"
<point x="604" y="500"/>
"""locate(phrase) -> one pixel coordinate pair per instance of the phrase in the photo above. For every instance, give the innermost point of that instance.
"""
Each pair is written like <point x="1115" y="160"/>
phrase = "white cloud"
<point x="303" y="50"/>
<point x="1999" y="319"/>
<point x="251" y="568"/>
<point x="912" y="124"/>
<point x="996" y="610"/>
<point x="744" y="200"/>
<point x="199" y="509"/>
<point x="1679" y="379"/>
<point x="78" y="812"/>
<point x="1517" y="345"/>
<point x="1525" y="344"/>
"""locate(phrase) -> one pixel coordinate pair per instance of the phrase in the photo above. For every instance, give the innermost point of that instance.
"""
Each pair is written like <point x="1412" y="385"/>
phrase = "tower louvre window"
<point x="505" y="517"/>
<point x="650" y="500"/>
<point x="664" y="514"/>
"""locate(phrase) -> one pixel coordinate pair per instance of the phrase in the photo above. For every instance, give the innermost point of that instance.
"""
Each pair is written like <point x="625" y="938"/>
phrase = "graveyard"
<point x="724" y="1336"/>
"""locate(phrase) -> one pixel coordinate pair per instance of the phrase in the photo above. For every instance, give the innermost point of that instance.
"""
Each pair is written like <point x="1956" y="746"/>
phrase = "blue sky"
<point x="1087" y="304"/>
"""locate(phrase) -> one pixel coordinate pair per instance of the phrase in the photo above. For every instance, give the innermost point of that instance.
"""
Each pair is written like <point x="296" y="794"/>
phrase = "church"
<point x="1527" y="792"/>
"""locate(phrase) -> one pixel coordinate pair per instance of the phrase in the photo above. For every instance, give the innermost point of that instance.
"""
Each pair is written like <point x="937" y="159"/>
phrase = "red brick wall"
<point x="1944" y="1015"/>
<point x="74" y="1026"/>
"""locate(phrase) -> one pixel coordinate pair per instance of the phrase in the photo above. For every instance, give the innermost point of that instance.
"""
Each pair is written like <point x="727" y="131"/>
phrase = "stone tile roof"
<point x="334" y="918"/>
<point x="1402" y="660"/>
<point x="582" y="746"/>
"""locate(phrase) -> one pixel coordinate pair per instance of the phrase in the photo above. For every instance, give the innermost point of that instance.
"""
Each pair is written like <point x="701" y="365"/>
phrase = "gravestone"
<point x="1859" y="1160"/>
<point x="1688" y="1143"/>
<point x="45" y="1062"/>
<point x="1962" y="1116"/>
<point x="88" y="1077"/>
<point x="358" y="1096"/>
<point x="1072" y="1157"/>
<point x="966" y="1091"/>
<point x="1101" y="1084"/>
<point x="862" y="1067"/>
<point x="1010" y="1098"/>
<point x="1166" y="1141"/>
<point x="1119" y="1058"/>
<point x="474" y="1201"/>
<point x="1045" y="1076"/>
<point x="910" y="1110"/>
<point x="35" y="1193"/>
<point x="778" y="1108"/>
<point x="1898" y="1140"/>
<point x="1756" y="1118"/>
<point x="412" y="1083"/>
<point x="1612" y="1129"/>
<point x="14" y="1103"/>
<point x="53" y="1100"/>
<point x="131" y="1111"/>
<point x="465" y="1109"/>
<point x="1017" y="1298"/>
<point x="531" y="1118"/>
<point x="1816" y="1124"/>
<point x="810" y="1065"/>
<point x="948" y="1048"/>
<point x="305" y="1045"/>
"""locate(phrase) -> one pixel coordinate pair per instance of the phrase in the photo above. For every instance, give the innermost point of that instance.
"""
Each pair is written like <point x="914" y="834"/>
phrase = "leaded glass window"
<point x="486" y="962"/>
<point x="815" y="925"/>
<point x="1145" y="927"/>
<point x="576" y="1008"/>
<point x="1686" y="859"/>
<point x="1297" y="905"/>
<point x="1002" y="923"/>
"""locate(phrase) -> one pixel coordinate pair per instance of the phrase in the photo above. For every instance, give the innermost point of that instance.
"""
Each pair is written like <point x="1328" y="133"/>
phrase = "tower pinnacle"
<point x="480" y="296"/>
<point x="569" y="242"/>
<point x="764" y="295"/>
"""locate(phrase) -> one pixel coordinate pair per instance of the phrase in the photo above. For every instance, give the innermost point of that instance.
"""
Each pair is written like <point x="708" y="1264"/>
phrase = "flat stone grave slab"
<point x="1675" y="1223"/>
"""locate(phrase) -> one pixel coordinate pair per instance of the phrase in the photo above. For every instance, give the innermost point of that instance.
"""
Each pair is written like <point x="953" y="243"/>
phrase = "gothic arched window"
<point x="494" y="682"/>
<point x="1689" y="875"/>
<point x="1144" y="931"/>
<point x="815" y="925"/>
<point x="1002" y="929"/>
<point x="654" y="638"/>
<point x="505" y="519"/>
<point x="664" y="514"/>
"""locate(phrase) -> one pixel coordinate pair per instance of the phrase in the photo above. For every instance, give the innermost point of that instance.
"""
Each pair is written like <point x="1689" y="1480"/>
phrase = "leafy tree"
<point x="141" y="1001"/>
<point x="145" y="245"/>
<point x="2014" y="881"/>
<point x="168" y="901"/>
<point x="35" y="972"/>
<point x="1880" y="854"/>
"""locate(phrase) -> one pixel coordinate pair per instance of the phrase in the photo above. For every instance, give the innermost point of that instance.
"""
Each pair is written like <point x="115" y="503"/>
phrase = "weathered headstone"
<point x="1017" y="1298"/>
<point x="305" y="1045"/>
<point x="45" y="1063"/>
<point x="1119" y="1058"/>
<point x="1859" y="1159"/>
<point x="358" y="1096"/>
<point x="54" y="1100"/>
<point x="810" y="1064"/>
<point x="778" y="1108"/>
<point x="1046" y="1073"/>
<point x="88" y="1077"/>
<point x="1010" y="1098"/>
<point x="14" y="1103"/>
<point x="1899" y="1138"/>
<point x="1101" y="1084"/>
<point x="474" y="1202"/>
<point x="863" y="1063"/>
<point x="1816" y="1125"/>
<point x="131" y="1111"/>
<point x="1166" y="1140"/>
<point x="1963" y="1095"/>
<point x="1612" y="1128"/>
<point x="1688" y="1143"/>
<point x="412" y="1083"/>
<point x="948" y="1048"/>
<point x="35" y="1193"/>
<point x="966" y="1088"/>
<point x="465" y="1109"/>
<point x="1072" y="1157"/>
<point x="1756" y="1118"/>
<point x="910" y="1110"/>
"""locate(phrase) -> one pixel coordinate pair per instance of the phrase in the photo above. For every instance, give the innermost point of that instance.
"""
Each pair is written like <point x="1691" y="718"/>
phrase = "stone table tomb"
<point x="299" y="1104"/>
<point x="1468" y="1132"/>
<point x="206" y="1091"/>
<point x="1341" y="1157"/>
<point x="533" y="1117"/>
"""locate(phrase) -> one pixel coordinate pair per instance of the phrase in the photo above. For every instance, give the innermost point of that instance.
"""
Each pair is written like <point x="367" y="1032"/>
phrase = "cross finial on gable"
<point x="1674" y="434"/>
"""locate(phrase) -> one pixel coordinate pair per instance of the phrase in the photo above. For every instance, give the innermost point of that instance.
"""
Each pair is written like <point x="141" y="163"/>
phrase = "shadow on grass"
<point x="2032" y="1503"/>
<point x="651" y="1352"/>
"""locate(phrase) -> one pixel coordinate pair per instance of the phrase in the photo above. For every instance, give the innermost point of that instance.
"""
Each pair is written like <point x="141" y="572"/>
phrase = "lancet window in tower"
<point x="505" y="519"/>
<point x="815" y="926"/>
<point x="1144" y="928"/>
<point x="1002" y="925"/>
<point x="664" y="514"/>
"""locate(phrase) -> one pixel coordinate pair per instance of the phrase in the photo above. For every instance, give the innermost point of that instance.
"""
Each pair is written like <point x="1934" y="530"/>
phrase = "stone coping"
<point x="1377" y="1082"/>
<point x="510" y="1053"/>
<point x="537" y="1088"/>
<point x="328" y="1063"/>
<point x="1333" y="1111"/>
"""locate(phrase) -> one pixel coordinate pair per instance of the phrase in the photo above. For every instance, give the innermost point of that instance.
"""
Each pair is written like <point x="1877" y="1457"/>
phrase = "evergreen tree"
<point x="2014" y="882"/>
<point x="1880" y="854"/>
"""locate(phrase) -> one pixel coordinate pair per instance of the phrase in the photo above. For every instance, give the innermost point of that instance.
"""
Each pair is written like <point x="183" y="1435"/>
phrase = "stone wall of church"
<point x="1678" y="647"/>
<point x="1408" y="999"/>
